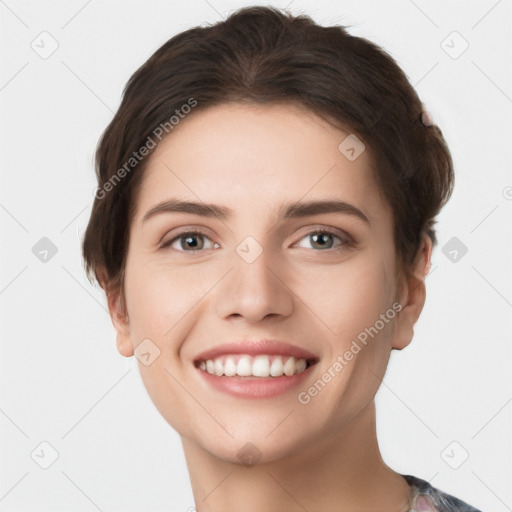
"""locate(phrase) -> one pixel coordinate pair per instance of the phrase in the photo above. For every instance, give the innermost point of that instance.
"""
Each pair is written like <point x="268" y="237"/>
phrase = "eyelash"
<point x="346" y="241"/>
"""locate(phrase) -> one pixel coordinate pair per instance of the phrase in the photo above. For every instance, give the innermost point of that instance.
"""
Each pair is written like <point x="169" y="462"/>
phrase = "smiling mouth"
<point x="262" y="365"/>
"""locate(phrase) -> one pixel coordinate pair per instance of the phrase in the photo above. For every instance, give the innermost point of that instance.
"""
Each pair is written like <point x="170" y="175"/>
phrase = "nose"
<point x="254" y="290"/>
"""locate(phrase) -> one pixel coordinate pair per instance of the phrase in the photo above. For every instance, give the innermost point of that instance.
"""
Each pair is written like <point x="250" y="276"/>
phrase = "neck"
<point x="342" y="473"/>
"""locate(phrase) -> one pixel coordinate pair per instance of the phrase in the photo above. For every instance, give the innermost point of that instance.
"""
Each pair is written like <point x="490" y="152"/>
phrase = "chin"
<point x="258" y="443"/>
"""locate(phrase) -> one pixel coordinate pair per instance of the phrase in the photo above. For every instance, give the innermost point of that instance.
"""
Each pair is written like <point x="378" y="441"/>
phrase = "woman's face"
<point x="257" y="274"/>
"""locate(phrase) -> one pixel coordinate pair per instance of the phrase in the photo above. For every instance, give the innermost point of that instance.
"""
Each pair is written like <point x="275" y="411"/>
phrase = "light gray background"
<point x="62" y="379"/>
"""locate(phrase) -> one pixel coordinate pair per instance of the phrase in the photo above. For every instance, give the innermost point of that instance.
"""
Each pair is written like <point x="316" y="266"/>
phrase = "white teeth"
<point x="230" y="367"/>
<point x="218" y="367"/>
<point x="289" y="367"/>
<point x="243" y="368"/>
<point x="276" y="368"/>
<point x="261" y="366"/>
<point x="255" y="366"/>
<point x="300" y="366"/>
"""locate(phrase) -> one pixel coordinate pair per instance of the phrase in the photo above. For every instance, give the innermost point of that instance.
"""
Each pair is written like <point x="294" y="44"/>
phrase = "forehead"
<point x="253" y="158"/>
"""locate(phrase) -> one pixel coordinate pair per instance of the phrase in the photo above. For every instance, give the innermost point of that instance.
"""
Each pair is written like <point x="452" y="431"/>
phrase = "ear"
<point x="120" y="321"/>
<point x="412" y="295"/>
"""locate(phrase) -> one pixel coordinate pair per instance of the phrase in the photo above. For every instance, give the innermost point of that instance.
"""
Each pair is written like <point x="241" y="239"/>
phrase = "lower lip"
<point x="255" y="387"/>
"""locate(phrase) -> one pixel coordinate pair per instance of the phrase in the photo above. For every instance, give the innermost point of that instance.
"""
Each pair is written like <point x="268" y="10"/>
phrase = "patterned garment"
<point x="426" y="498"/>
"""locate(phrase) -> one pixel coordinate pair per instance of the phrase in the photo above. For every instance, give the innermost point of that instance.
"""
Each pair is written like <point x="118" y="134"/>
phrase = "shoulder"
<point x="428" y="498"/>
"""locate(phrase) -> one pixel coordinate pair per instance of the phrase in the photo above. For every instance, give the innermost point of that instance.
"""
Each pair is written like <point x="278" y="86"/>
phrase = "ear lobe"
<point x="120" y="321"/>
<point x="412" y="296"/>
<point x="124" y="345"/>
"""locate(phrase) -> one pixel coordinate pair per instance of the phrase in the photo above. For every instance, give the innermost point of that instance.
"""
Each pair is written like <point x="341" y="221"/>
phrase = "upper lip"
<point x="266" y="346"/>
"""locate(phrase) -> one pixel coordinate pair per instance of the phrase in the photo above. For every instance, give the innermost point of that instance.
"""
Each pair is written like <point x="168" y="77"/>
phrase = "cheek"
<point x="160" y="302"/>
<point x="160" y="298"/>
<point x="347" y="297"/>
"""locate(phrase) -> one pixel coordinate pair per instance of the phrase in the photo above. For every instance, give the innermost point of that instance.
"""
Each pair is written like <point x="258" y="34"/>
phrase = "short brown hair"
<point x="263" y="55"/>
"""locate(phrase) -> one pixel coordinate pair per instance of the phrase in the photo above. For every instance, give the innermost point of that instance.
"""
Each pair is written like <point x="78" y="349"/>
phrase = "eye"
<point x="323" y="239"/>
<point x="189" y="241"/>
<point x="194" y="241"/>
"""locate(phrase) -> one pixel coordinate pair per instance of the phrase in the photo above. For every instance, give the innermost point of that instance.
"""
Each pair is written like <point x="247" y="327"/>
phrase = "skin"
<point x="323" y="456"/>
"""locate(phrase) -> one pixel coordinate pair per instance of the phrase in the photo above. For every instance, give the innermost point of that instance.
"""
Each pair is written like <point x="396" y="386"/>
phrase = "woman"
<point x="263" y="225"/>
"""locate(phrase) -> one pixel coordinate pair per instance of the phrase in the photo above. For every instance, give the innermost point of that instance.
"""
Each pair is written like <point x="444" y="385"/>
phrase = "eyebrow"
<point x="287" y="211"/>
